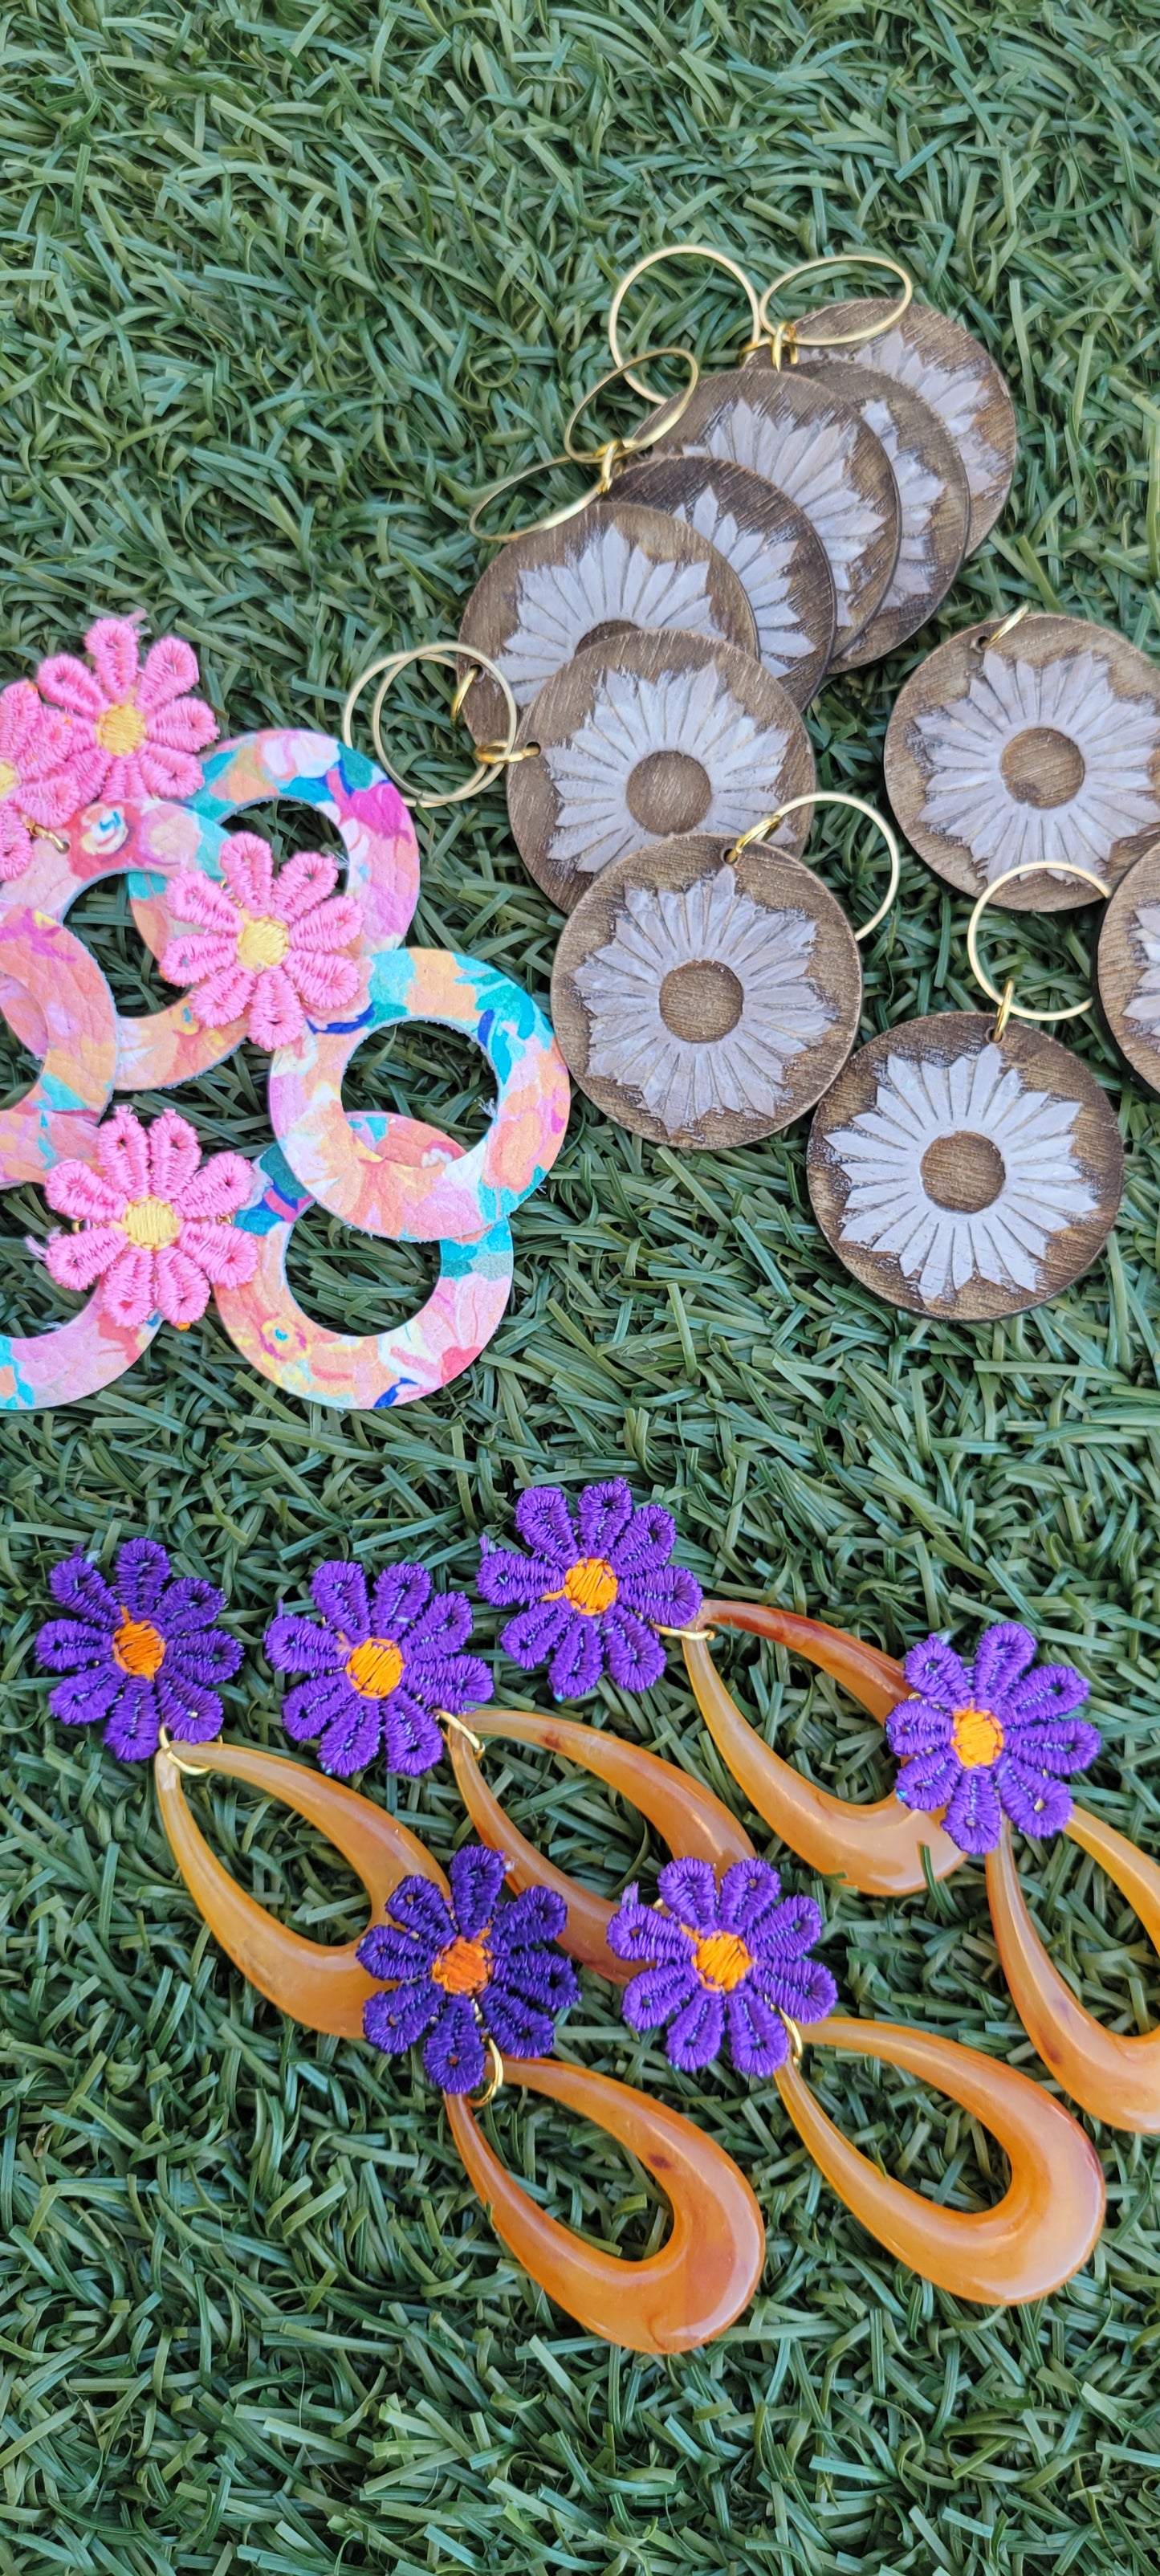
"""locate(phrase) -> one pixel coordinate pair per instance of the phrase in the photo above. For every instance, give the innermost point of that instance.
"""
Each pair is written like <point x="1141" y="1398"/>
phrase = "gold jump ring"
<point x="1009" y="1009"/>
<point x="612" y="450"/>
<point x="673" y="250"/>
<point x="551" y="519"/>
<point x="830" y="796"/>
<point x="479" y="2101"/>
<point x="449" y="657"/>
<point x="838" y="339"/>
<point x="1005" y="626"/>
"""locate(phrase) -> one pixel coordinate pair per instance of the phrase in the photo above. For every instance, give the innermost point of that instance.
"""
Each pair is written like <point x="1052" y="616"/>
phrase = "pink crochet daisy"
<point x="134" y="729"/>
<point x="270" y="952"/>
<point x="39" y="781"/>
<point x="155" y="1223"/>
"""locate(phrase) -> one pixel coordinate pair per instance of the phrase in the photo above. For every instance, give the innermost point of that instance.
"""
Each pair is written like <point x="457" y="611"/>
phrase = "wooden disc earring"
<point x="704" y="993"/>
<point x="645" y="736"/>
<point x="1036" y="740"/>
<point x="775" y="553"/>
<point x="1128" y="968"/>
<point x="968" y="1165"/>
<point x="933" y="498"/>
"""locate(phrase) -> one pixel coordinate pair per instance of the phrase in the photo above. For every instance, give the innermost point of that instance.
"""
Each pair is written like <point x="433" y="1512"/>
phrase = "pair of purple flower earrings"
<point x="384" y="1670"/>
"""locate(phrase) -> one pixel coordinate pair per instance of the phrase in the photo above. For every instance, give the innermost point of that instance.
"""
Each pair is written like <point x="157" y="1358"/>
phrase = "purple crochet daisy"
<point x="141" y="1651"/>
<point x="990" y="1737"/>
<point x="728" y="1959"/>
<point x="598" y="1587"/>
<point x="380" y="1667"/>
<point x="462" y="1970"/>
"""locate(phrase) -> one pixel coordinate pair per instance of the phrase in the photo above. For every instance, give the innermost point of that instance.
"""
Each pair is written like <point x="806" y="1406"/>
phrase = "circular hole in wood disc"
<point x="953" y="372"/>
<point x="944" y="1177"/>
<point x="816" y="450"/>
<point x="933" y="498"/>
<point x="772" y="547"/>
<point x="1128" y="967"/>
<point x="616" y="570"/>
<point x="704" y="1000"/>
<point x="653" y="735"/>
<point x="1042" y="745"/>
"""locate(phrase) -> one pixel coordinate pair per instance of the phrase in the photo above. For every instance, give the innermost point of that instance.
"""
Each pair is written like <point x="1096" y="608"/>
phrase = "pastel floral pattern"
<point x="597" y="1586"/>
<point x="722" y="1962"/>
<point x="134" y="728"/>
<point x="991" y="1738"/>
<point x="380" y="1666"/>
<point x="142" y="1651"/>
<point x="468" y="1970"/>
<point x="155" y="1221"/>
<point x="39" y="781"/>
<point x="266" y="948"/>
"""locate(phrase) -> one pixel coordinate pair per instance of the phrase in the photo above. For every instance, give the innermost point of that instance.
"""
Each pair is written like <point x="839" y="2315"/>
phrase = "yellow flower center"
<point x="263" y="942"/>
<point x="151" y="1224"/>
<point x="722" y="1960"/>
<point x="9" y="777"/>
<point x="589" y="1586"/>
<point x="977" y="1737"/>
<point x="375" y="1668"/>
<point x="463" y="1967"/>
<point x="121" y="729"/>
<point x="138" y="1648"/>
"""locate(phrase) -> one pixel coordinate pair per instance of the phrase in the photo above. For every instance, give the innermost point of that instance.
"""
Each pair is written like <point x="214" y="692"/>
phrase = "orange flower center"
<point x="151" y="1224"/>
<point x="722" y="1960"/>
<point x="375" y="1668"/>
<point x="9" y="777"/>
<point x="138" y="1647"/>
<point x="589" y="1586"/>
<point x="121" y="729"/>
<point x="263" y="942"/>
<point x="463" y="1967"/>
<point x="977" y="1737"/>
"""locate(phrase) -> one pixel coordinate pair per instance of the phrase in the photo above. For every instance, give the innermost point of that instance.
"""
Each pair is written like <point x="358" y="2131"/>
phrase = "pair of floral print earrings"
<point x="721" y="1958"/>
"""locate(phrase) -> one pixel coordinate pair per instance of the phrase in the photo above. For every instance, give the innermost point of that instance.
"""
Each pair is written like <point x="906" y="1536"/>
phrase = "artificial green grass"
<point x="282" y="285"/>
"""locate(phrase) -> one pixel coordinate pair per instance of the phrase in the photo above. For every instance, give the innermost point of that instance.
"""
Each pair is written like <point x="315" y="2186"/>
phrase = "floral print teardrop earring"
<point x="599" y="1591"/>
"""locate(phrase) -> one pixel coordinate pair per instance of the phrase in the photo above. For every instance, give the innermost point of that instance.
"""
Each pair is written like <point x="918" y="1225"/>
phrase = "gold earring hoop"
<point x="1006" y="626"/>
<point x="608" y="457"/>
<point x="651" y="259"/>
<point x="831" y="796"/>
<point x="789" y="335"/>
<point x="1008" y="1007"/>
<point x="491" y="757"/>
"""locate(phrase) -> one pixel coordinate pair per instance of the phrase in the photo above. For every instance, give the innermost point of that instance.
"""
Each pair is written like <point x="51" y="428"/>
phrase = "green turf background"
<point x="282" y="285"/>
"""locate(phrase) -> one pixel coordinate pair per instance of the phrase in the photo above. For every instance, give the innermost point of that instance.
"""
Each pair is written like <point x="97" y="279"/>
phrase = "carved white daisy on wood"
<point x="764" y="568"/>
<point x="1145" y="1009"/>
<point x="1039" y="763"/>
<point x="811" y="459"/>
<point x="604" y="580"/>
<point x="676" y="753"/>
<point x="959" y="394"/>
<point x="701" y="999"/>
<point x="962" y="1171"/>
<point x="919" y="492"/>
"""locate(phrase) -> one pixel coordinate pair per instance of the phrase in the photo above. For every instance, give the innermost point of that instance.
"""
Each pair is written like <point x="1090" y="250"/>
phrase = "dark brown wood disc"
<point x="611" y="571"/>
<point x="774" y="552"/>
<point x="817" y="451"/>
<point x="1041" y="744"/>
<point x="958" y="1177"/>
<point x="648" y="736"/>
<point x="952" y="371"/>
<point x="1128" y="967"/>
<point x="933" y="498"/>
<point x="706" y="999"/>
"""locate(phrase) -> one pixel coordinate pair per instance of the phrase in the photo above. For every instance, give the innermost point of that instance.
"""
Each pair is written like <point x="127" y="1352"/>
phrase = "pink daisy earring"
<point x="134" y="727"/>
<point x="40" y="783"/>
<point x="152" y="1222"/>
<point x="265" y="946"/>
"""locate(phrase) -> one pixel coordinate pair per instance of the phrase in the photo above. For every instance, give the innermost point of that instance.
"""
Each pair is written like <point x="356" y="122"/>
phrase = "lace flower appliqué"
<point x="722" y="1962"/>
<point x="155" y="1222"/>
<point x="134" y="729"/>
<point x="266" y="947"/>
<point x="990" y="1738"/>
<point x="380" y="1667"/>
<point x="469" y="1971"/>
<point x="142" y="1651"/>
<point x="597" y="1587"/>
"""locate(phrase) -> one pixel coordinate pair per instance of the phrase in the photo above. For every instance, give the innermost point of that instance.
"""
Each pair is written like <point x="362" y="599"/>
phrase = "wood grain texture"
<point x="779" y="560"/>
<point x="933" y="497"/>
<point x="1128" y="967"/>
<point x="615" y="570"/>
<point x="958" y="1192"/>
<point x="1045" y="743"/>
<point x="953" y="372"/>
<point x="816" y="450"/>
<point x="706" y="1001"/>
<point x="647" y="736"/>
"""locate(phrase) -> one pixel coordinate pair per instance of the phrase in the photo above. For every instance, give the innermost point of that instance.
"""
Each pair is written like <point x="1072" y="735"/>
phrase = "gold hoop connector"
<point x="448" y="1721"/>
<point x="706" y="1634"/>
<point x="1008" y="1008"/>
<point x="448" y="657"/>
<point x="551" y="519"/>
<point x="613" y="451"/>
<point x="785" y="339"/>
<point x="1006" y="626"/>
<point x="195" y="1770"/>
<point x="797" y="2044"/>
<point x="674" y="250"/>
<point x="837" y="339"/>
<point x="479" y="2101"/>
<point x="40" y="832"/>
<point x="830" y="796"/>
